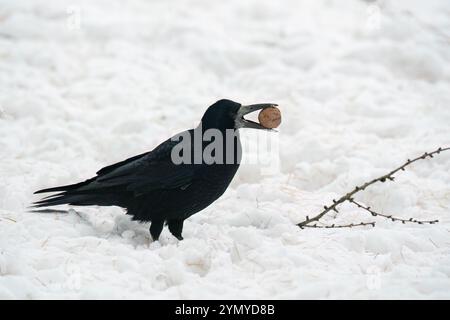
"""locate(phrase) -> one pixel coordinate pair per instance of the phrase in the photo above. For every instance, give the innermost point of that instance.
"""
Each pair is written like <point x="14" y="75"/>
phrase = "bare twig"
<point x="375" y="214"/>
<point x="387" y="177"/>
<point x="335" y="226"/>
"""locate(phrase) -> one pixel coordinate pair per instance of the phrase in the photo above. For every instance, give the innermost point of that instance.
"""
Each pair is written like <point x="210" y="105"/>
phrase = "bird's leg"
<point x="176" y="227"/>
<point x="156" y="229"/>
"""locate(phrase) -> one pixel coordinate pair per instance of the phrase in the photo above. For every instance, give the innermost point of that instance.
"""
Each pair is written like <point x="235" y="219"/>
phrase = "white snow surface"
<point x="362" y="86"/>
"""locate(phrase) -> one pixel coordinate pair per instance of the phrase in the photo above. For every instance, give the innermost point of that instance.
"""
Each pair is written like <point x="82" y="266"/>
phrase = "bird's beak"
<point x="241" y="122"/>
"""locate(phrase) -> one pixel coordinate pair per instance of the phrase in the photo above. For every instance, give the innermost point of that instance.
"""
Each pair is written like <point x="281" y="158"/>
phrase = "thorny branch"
<point x="349" y="197"/>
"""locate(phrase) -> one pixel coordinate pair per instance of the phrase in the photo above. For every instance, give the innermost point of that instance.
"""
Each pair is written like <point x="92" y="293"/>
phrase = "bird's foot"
<point x="176" y="228"/>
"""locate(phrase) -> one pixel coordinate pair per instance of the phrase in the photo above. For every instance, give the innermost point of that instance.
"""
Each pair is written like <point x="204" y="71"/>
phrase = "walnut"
<point x="270" y="117"/>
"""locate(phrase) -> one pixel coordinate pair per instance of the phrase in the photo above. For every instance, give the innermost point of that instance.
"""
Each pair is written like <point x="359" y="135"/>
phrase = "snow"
<point x="362" y="86"/>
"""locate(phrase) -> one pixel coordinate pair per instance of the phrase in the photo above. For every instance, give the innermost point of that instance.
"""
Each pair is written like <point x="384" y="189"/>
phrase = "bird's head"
<point x="227" y="114"/>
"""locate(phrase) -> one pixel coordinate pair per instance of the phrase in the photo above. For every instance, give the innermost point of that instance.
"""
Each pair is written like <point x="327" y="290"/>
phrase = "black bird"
<point x="154" y="188"/>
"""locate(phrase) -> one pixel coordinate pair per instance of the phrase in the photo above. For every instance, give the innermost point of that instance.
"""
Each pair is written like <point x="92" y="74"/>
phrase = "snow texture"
<point x="362" y="86"/>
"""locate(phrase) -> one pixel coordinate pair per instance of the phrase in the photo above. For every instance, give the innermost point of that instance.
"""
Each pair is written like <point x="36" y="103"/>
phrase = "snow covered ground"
<point x="362" y="86"/>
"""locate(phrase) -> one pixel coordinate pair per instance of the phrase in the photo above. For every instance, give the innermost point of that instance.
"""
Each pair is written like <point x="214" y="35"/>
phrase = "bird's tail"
<point x="67" y="198"/>
<point x="67" y="188"/>
<point x="71" y="194"/>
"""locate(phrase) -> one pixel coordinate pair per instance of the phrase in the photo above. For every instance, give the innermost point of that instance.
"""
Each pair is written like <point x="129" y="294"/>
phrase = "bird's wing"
<point x="144" y="173"/>
<point x="114" y="166"/>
